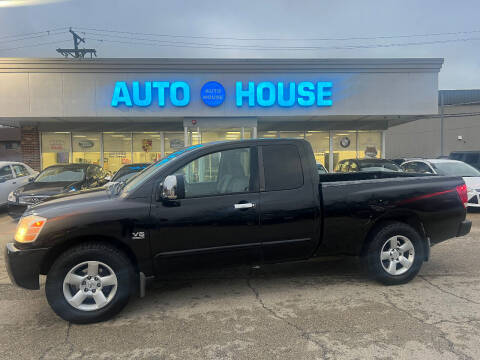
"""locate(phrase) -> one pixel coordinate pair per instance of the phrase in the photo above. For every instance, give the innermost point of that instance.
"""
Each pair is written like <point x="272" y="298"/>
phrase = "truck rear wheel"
<point x="89" y="283"/>
<point x="395" y="254"/>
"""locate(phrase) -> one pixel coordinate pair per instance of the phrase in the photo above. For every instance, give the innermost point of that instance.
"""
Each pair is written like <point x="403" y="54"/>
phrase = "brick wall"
<point x="30" y="144"/>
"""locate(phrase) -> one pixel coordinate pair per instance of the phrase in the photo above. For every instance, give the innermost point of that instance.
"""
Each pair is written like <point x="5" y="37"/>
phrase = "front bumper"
<point x="23" y="266"/>
<point x="464" y="227"/>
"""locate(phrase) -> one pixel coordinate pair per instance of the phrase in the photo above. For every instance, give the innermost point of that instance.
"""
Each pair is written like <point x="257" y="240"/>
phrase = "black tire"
<point x="91" y="251"/>
<point x="377" y="241"/>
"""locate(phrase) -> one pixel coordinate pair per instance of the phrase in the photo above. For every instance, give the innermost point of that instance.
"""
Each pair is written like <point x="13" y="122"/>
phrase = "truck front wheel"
<point x="89" y="283"/>
<point x="395" y="253"/>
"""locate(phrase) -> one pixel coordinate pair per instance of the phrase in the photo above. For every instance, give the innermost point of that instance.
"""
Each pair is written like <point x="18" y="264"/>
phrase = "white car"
<point x="12" y="175"/>
<point x="470" y="175"/>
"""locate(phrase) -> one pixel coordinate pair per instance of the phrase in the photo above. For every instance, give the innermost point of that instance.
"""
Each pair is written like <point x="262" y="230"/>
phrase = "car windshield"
<point x="378" y="166"/>
<point x="61" y="173"/>
<point x="128" y="171"/>
<point x="455" y="168"/>
<point x="135" y="181"/>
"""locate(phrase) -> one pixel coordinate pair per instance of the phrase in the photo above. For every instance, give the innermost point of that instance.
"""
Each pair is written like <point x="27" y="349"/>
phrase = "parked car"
<point x="55" y="180"/>
<point x="321" y="169"/>
<point x="228" y="203"/>
<point x="127" y="171"/>
<point x="470" y="157"/>
<point x="446" y="167"/>
<point x="12" y="175"/>
<point x="354" y="165"/>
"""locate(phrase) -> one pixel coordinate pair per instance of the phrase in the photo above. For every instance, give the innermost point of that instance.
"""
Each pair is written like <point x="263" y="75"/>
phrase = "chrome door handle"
<point x="244" y="206"/>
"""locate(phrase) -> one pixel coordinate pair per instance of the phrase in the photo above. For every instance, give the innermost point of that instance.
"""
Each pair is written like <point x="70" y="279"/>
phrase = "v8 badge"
<point x="138" y="235"/>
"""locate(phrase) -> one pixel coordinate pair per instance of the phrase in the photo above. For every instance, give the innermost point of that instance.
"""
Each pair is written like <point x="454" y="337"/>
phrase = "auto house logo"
<point x="251" y="94"/>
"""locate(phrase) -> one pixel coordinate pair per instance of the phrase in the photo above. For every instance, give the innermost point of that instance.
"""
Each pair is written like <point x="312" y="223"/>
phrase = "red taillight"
<point x="462" y="194"/>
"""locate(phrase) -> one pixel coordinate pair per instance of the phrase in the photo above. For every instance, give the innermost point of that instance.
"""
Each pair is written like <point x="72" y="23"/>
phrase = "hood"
<point x="46" y="188"/>
<point x="69" y="202"/>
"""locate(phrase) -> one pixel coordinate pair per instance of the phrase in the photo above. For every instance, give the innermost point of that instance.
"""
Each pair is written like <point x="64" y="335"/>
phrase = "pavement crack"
<point x="448" y="292"/>
<point x="443" y="335"/>
<point x="303" y="333"/>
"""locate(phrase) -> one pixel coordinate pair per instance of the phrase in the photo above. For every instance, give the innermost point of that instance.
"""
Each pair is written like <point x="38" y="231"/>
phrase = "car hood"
<point x="69" y="202"/>
<point x="45" y="188"/>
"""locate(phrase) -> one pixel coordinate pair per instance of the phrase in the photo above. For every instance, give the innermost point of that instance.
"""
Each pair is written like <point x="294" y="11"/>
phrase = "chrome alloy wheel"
<point x="90" y="285"/>
<point x="397" y="255"/>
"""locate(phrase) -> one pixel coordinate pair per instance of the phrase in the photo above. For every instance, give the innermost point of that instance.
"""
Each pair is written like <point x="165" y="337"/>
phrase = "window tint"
<point x="223" y="172"/>
<point x="20" y="170"/>
<point x="5" y="173"/>
<point x="283" y="169"/>
<point x="471" y="158"/>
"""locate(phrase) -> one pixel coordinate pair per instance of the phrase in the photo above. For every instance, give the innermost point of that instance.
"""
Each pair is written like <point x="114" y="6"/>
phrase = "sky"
<point x="253" y="29"/>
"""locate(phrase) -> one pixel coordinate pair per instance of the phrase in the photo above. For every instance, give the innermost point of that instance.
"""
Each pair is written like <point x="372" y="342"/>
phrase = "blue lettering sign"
<point x="249" y="93"/>
<point x="121" y="94"/>
<point x="212" y="93"/>
<point x="267" y="94"/>
<point x="143" y="94"/>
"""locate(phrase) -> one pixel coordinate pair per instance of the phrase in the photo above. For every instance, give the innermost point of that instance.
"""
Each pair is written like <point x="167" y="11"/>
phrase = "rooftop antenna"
<point x="77" y="53"/>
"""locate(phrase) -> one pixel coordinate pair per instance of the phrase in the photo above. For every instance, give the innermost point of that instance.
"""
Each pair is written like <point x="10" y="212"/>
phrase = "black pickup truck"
<point x="250" y="201"/>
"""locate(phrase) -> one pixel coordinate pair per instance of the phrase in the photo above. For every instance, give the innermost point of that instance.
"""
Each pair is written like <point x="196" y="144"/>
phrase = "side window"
<point x="20" y="170"/>
<point x="423" y="168"/>
<point x="409" y="167"/>
<point x="5" y="173"/>
<point x="224" y="172"/>
<point x="353" y="166"/>
<point x="91" y="172"/>
<point x="344" y="167"/>
<point x="472" y="158"/>
<point x="338" y="167"/>
<point x="282" y="167"/>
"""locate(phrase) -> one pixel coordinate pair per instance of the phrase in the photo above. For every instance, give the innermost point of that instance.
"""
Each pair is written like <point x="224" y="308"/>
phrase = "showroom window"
<point x="56" y="148"/>
<point x="147" y="147"/>
<point x="87" y="148"/>
<point x="117" y="150"/>
<point x="173" y="141"/>
<point x="320" y="141"/>
<point x="369" y="144"/>
<point x="344" y="145"/>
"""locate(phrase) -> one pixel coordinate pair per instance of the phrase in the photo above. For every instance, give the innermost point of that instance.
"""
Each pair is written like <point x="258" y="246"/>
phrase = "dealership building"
<point x="120" y="111"/>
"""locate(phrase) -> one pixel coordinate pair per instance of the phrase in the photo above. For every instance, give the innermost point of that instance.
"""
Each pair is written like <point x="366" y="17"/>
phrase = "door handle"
<point x="244" y="206"/>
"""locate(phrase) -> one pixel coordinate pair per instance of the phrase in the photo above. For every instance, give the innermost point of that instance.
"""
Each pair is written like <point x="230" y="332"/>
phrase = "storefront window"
<point x="86" y="148"/>
<point x="344" y="146"/>
<point x="117" y="150"/>
<point x="55" y="148"/>
<point x="209" y="135"/>
<point x="272" y="134"/>
<point x="369" y="144"/>
<point x="147" y="147"/>
<point x="173" y="141"/>
<point x="292" y="134"/>
<point x="320" y="141"/>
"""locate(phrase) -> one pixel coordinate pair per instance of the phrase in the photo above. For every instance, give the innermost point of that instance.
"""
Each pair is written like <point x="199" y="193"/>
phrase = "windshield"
<point x="456" y="168"/>
<point x="61" y="173"/>
<point x="128" y="171"/>
<point x="148" y="172"/>
<point x="379" y="166"/>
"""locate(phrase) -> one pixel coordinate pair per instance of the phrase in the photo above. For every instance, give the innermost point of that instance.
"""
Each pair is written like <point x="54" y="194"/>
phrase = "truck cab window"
<point x="282" y="166"/>
<point x="224" y="172"/>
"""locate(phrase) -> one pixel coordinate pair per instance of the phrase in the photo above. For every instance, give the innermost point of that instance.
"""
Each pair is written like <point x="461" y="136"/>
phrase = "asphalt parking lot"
<point x="324" y="309"/>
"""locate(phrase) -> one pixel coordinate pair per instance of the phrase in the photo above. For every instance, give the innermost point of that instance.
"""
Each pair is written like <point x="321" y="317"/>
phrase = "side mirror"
<point x="31" y="179"/>
<point x="108" y="177"/>
<point x="172" y="188"/>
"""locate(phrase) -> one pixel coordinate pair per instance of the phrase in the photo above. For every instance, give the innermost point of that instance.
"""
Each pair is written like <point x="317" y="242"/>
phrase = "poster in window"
<point x="147" y="145"/>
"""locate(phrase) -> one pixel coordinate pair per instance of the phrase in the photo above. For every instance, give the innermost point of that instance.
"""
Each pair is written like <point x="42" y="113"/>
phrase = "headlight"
<point x="12" y="197"/>
<point x="29" y="228"/>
